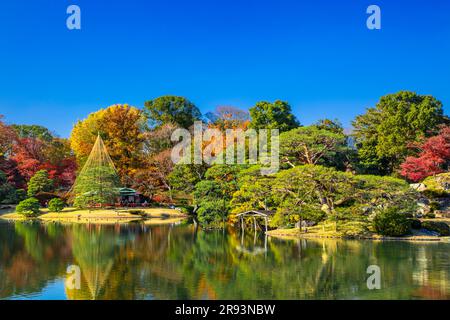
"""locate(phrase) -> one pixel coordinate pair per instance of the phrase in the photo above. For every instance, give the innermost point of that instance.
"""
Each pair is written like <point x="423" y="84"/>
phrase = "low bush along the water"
<point x="28" y="207"/>
<point x="415" y="224"/>
<point x="440" y="227"/>
<point x="56" y="205"/>
<point x="137" y="212"/>
<point x="390" y="222"/>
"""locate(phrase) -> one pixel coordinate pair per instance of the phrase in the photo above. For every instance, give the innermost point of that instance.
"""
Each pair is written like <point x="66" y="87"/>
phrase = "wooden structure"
<point x="255" y="214"/>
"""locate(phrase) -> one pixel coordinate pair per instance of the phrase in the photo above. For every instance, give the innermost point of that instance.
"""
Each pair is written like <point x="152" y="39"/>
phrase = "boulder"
<point x="418" y="187"/>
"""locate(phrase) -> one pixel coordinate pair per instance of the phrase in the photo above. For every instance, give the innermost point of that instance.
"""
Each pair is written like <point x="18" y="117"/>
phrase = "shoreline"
<point x="293" y="234"/>
<point x="102" y="216"/>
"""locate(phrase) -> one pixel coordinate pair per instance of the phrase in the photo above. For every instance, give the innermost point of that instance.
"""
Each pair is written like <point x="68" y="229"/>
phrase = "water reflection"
<point x="182" y="262"/>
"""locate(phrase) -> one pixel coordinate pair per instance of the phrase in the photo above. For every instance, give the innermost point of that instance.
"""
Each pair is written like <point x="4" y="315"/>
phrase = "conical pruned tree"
<point x="98" y="182"/>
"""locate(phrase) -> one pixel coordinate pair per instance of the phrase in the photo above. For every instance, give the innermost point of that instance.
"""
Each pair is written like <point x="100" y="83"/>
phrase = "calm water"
<point x="178" y="262"/>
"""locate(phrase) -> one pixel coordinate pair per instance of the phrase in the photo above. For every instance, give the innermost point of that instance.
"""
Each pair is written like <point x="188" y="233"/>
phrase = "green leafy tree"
<point x="96" y="185"/>
<point x="56" y="205"/>
<point x="254" y="192"/>
<point x="330" y="125"/>
<point x="311" y="145"/>
<point x="98" y="182"/>
<point x="212" y="196"/>
<point x="310" y="189"/>
<point x="33" y="131"/>
<point x="277" y="115"/>
<point x="7" y="190"/>
<point x="212" y="207"/>
<point x="383" y="133"/>
<point x="40" y="182"/>
<point x="28" y="207"/>
<point x="172" y="109"/>
<point x="7" y="138"/>
<point x="375" y="193"/>
<point x="184" y="177"/>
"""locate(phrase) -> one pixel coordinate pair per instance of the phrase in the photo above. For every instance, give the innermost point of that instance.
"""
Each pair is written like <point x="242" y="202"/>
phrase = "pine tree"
<point x="98" y="182"/>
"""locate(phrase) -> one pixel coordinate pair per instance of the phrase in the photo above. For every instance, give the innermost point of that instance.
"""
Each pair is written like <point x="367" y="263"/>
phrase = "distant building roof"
<point x="127" y="192"/>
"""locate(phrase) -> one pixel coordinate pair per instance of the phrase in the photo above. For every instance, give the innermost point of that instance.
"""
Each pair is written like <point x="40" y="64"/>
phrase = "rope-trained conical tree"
<point x="98" y="182"/>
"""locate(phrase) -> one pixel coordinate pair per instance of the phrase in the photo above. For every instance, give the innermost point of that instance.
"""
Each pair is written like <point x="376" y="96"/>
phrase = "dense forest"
<point x="327" y="173"/>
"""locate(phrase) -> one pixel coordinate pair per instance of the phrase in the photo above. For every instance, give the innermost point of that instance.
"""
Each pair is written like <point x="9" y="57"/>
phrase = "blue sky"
<point x="317" y="55"/>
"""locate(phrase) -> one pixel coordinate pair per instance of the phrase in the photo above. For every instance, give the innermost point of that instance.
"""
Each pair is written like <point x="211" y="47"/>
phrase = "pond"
<point x="179" y="261"/>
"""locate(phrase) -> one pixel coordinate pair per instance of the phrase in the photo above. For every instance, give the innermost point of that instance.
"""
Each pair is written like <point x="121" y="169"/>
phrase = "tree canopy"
<point x="33" y="131"/>
<point x="433" y="157"/>
<point x="40" y="182"/>
<point x="310" y="145"/>
<point x="7" y="137"/>
<point x="276" y="115"/>
<point x="98" y="181"/>
<point x="122" y="128"/>
<point x="383" y="133"/>
<point x="172" y="109"/>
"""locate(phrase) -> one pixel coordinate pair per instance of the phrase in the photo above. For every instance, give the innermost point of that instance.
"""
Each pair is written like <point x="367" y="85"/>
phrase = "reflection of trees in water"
<point x="30" y="256"/>
<point x="330" y="269"/>
<point x="168" y="262"/>
<point x="93" y="249"/>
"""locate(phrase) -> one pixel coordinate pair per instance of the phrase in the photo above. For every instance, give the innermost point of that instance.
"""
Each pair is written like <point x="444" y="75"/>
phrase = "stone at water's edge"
<point x="418" y="187"/>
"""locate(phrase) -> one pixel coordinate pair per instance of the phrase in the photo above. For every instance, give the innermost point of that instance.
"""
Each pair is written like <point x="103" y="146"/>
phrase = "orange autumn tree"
<point x="122" y="128"/>
<point x="228" y="117"/>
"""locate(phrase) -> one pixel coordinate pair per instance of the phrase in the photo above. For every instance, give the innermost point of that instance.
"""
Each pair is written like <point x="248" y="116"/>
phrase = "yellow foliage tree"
<point x="122" y="128"/>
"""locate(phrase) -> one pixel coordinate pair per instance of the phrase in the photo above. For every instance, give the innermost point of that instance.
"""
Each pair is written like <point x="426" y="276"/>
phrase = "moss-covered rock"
<point x="440" y="227"/>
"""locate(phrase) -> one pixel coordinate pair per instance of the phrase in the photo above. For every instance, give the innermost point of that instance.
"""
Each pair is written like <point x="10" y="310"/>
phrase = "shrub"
<point x="434" y="205"/>
<point x="56" y="205"/>
<point x="8" y="194"/>
<point x="351" y="229"/>
<point x="40" y="182"/>
<point x="21" y="195"/>
<point x="440" y="227"/>
<point x="429" y="216"/>
<point x="137" y="212"/>
<point x="28" y="207"/>
<point x="415" y="223"/>
<point x="390" y="222"/>
<point x="211" y="213"/>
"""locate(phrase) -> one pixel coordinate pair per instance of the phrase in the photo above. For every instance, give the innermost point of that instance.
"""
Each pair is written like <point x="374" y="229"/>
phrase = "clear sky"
<point x="318" y="55"/>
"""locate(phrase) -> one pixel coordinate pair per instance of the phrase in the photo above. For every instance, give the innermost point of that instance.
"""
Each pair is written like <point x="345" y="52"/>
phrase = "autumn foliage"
<point x="22" y="155"/>
<point x="433" y="157"/>
<point x="122" y="130"/>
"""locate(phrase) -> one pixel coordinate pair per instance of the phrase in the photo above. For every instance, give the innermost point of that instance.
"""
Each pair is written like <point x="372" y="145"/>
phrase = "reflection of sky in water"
<point x="54" y="290"/>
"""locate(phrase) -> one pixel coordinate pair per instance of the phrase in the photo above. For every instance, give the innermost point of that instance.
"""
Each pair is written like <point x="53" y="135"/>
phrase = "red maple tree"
<point x="433" y="158"/>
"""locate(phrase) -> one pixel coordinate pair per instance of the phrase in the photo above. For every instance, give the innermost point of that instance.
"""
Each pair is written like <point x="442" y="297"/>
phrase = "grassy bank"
<point x="327" y="231"/>
<point x="149" y="215"/>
